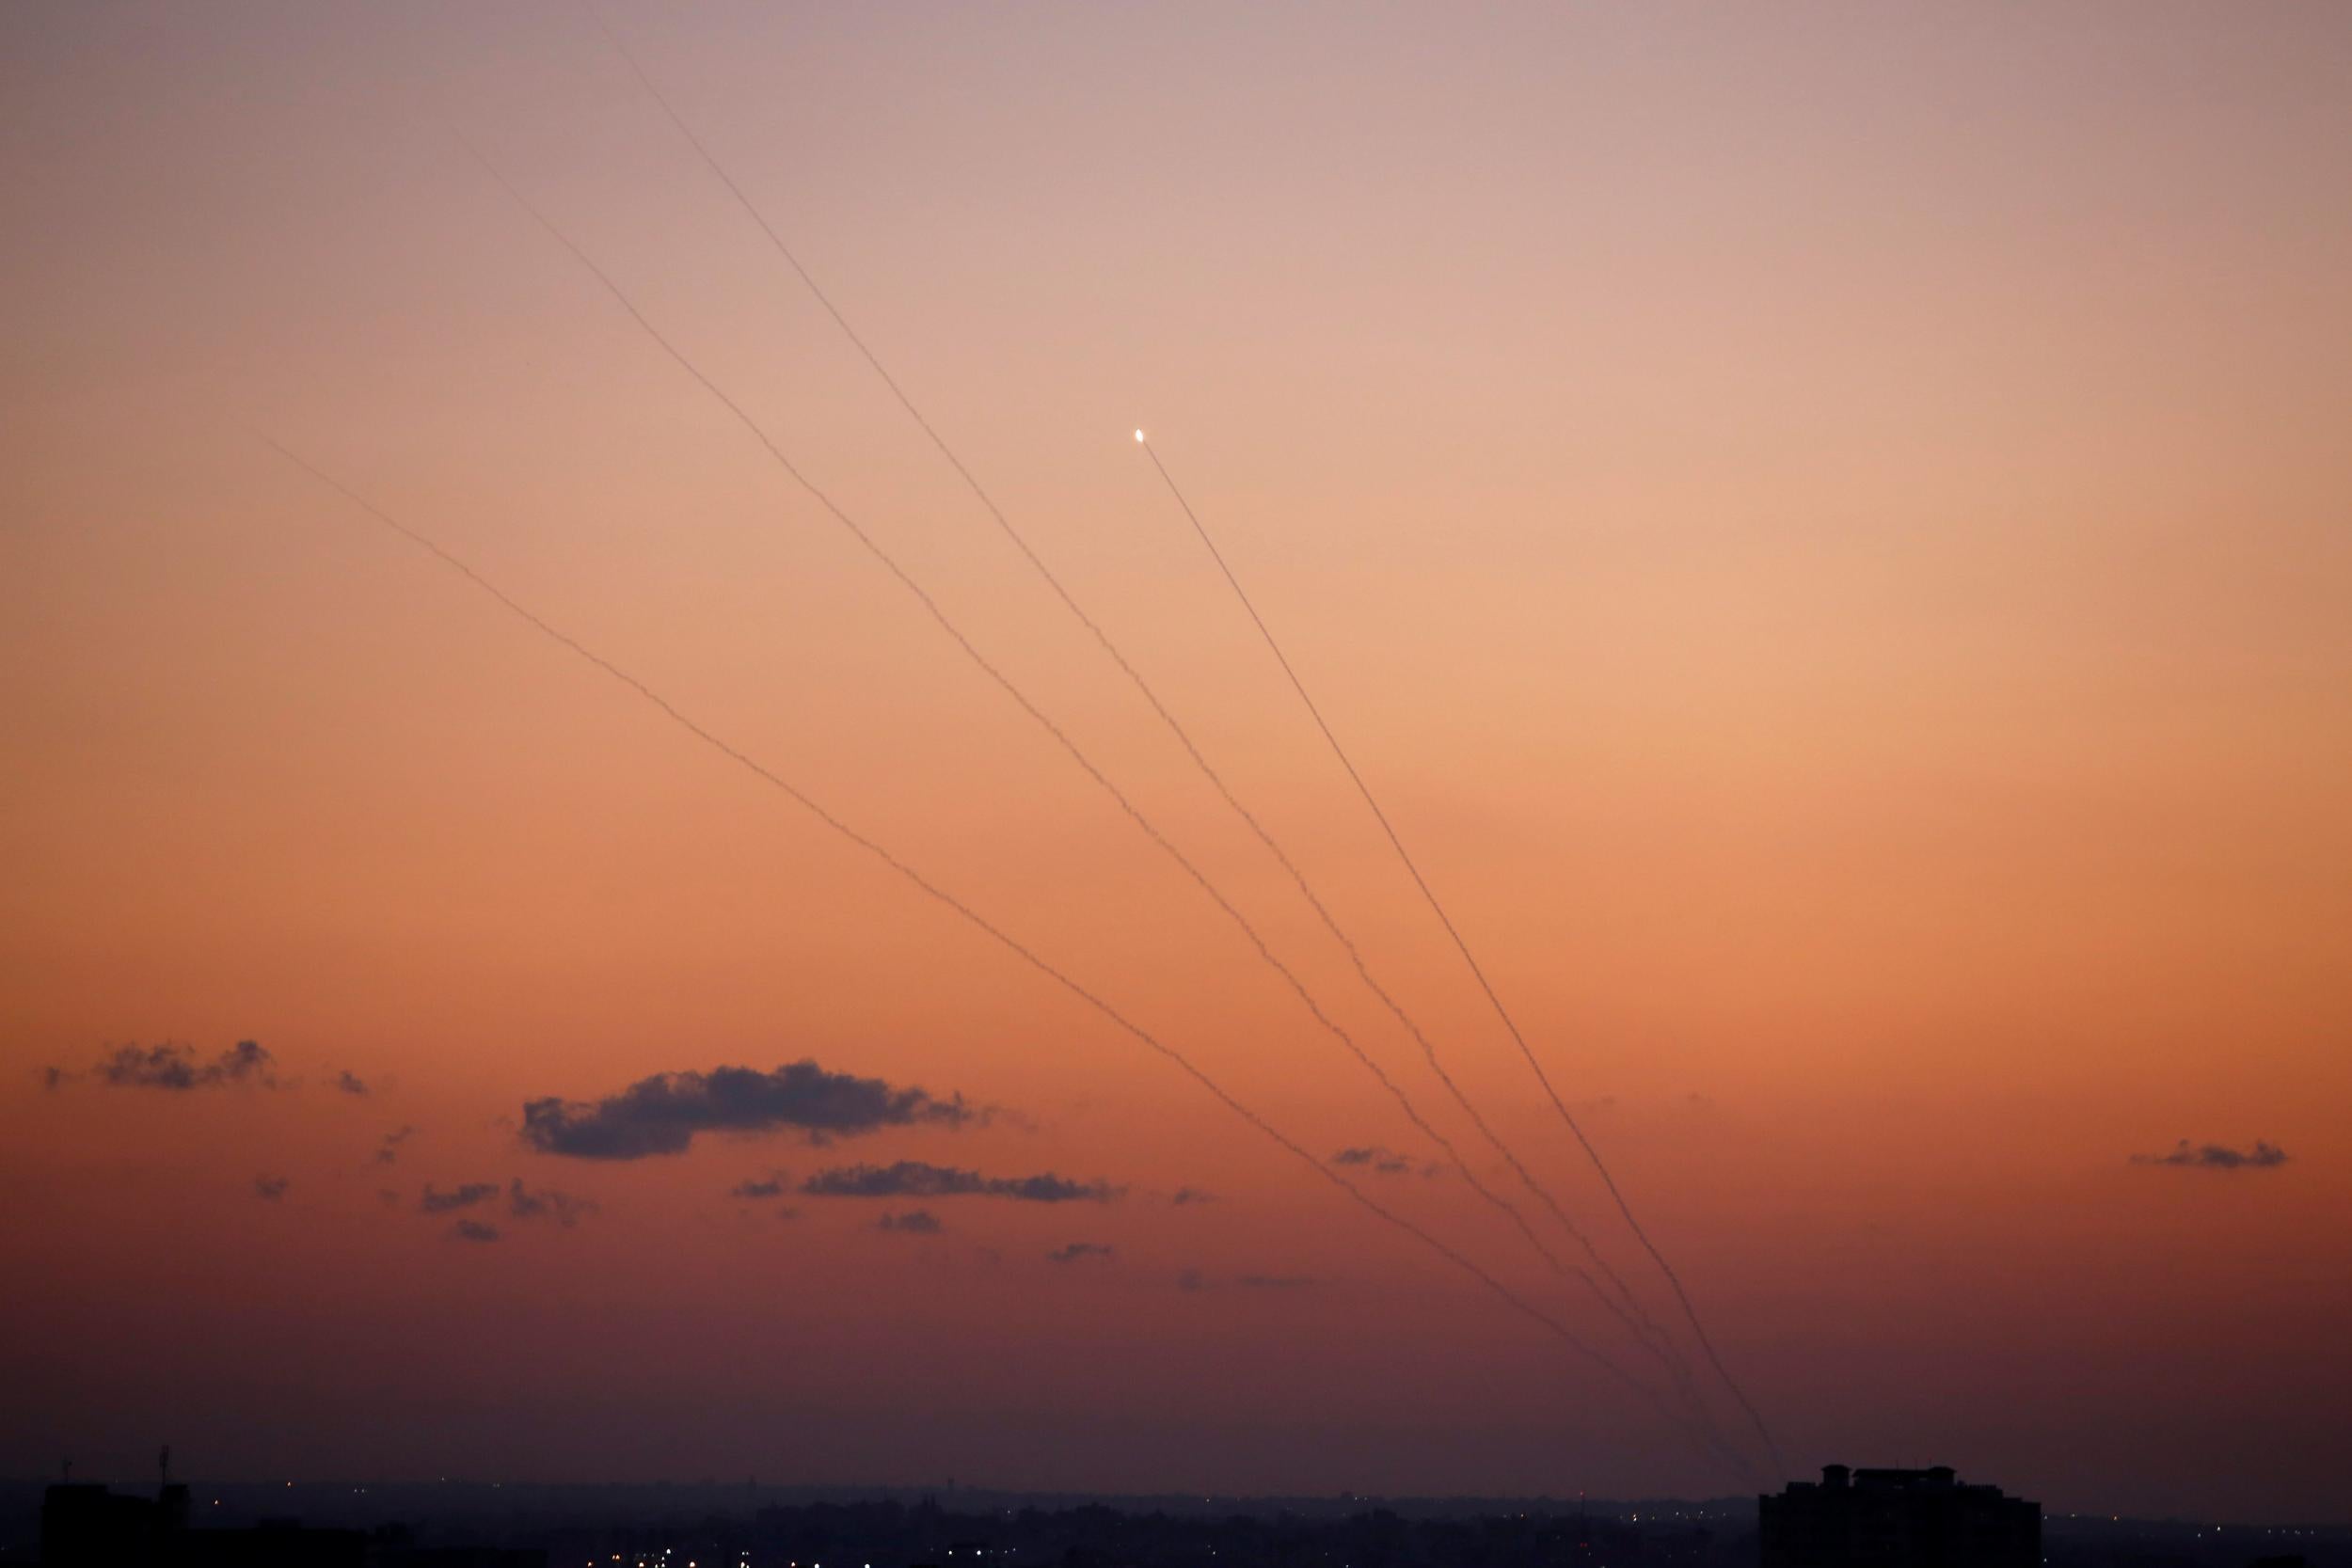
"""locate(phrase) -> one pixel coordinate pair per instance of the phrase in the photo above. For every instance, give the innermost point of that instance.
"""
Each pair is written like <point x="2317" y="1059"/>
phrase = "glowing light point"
<point x="1138" y="438"/>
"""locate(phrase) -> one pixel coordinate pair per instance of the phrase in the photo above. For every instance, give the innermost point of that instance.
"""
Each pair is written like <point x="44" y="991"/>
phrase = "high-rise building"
<point x="1897" y="1519"/>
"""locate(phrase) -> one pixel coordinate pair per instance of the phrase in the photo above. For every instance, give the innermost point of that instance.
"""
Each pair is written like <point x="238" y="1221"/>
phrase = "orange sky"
<point x="1828" y="531"/>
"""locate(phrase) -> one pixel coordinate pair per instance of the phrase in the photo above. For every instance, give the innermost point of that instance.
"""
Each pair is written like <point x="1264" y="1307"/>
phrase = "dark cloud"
<point x="917" y="1222"/>
<point x="389" y="1150"/>
<point x="2263" y="1156"/>
<point x="351" y="1082"/>
<point x="270" y="1188"/>
<point x="1380" y="1161"/>
<point x="547" y="1204"/>
<point x="662" y="1114"/>
<point x="1079" y="1251"/>
<point x="174" y="1067"/>
<point x="918" y="1179"/>
<point x="522" y="1203"/>
<point x="1190" y="1194"/>
<point x="775" y="1184"/>
<point x="474" y="1230"/>
<point x="437" y="1202"/>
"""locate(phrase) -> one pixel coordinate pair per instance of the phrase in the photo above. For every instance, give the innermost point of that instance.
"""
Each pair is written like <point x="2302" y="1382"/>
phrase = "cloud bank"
<point x="2263" y="1156"/>
<point x="174" y="1067"/>
<point x="662" y="1114"/>
<point x="918" y="1179"/>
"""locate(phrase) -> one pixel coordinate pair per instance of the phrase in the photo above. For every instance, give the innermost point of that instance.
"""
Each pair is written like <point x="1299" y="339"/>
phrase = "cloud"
<point x="916" y="1222"/>
<point x="1183" y="1196"/>
<point x="1194" y="1279"/>
<point x="474" y="1230"/>
<point x="522" y="1203"/>
<point x="351" y="1082"/>
<point x="662" y="1114"/>
<point x="435" y="1202"/>
<point x="1379" y="1161"/>
<point x="1079" y="1251"/>
<point x="389" y="1150"/>
<point x="270" y="1188"/>
<point x="773" y="1185"/>
<point x="565" y="1209"/>
<point x="174" y="1067"/>
<point x="2263" y="1156"/>
<point x="919" y="1178"/>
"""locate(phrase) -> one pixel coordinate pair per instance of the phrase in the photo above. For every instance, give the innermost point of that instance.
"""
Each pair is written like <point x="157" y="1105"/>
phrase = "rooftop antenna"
<point x="69" y="1472"/>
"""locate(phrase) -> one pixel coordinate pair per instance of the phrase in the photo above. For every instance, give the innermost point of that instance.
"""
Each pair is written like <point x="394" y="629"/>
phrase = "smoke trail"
<point x="1689" y="1312"/>
<point x="1634" y="1316"/>
<point x="1046" y="722"/>
<point x="971" y="915"/>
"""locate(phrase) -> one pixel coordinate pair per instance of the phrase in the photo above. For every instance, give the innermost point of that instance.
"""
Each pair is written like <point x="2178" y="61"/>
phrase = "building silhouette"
<point x="83" y="1525"/>
<point x="1896" y="1519"/>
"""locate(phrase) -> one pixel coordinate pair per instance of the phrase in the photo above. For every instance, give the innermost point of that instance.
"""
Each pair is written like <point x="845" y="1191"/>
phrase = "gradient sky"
<point x="1827" y="526"/>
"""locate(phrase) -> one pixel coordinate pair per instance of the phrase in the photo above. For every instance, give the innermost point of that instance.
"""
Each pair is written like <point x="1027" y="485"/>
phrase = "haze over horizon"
<point x="1824" y="531"/>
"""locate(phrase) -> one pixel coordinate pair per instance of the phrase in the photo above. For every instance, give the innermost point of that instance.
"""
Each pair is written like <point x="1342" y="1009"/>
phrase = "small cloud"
<point x="351" y="1082"/>
<point x="563" y="1208"/>
<point x="437" y="1202"/>
<point x="1079" y="1251"/>
<point x="1194" y="1279"/>
<point x="914" y="1222"/>
<point x="270" y="1188"/>
<point x="2263" y="1156"/>
<point x="1184" y="1195"/>
<point x="775" y="1184"/>
<point x="1380" y="1161"/>
<point x="388" y="1150"/>
<point x="919" y="1178"/>
<point x="174" y="1067"/>
<point x="474" y="1230"/>
<point x="662" y="1114"/>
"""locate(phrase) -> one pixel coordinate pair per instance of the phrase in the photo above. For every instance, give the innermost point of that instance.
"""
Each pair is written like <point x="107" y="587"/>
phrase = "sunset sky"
<point x="1827" y="528"/>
